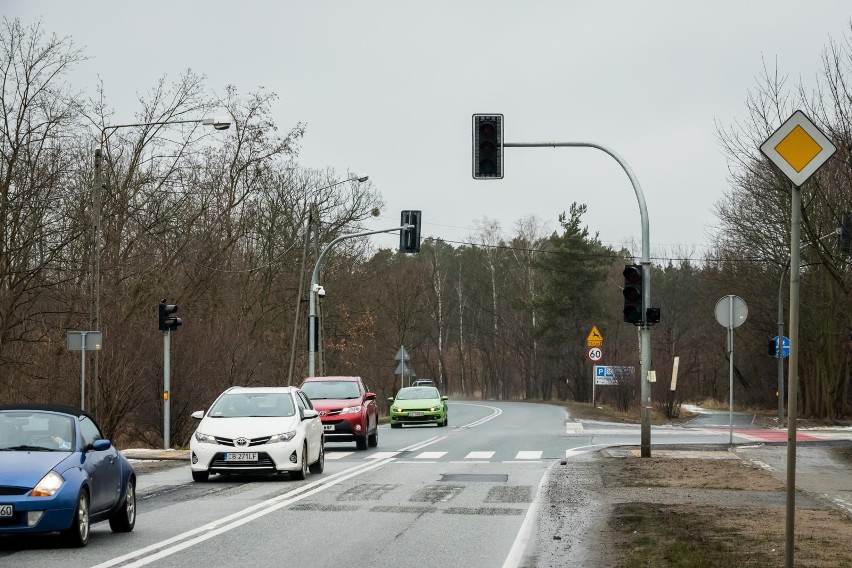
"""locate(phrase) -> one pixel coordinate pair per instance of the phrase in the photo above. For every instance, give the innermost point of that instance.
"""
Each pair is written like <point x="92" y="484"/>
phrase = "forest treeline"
<point x="227" y="225"/>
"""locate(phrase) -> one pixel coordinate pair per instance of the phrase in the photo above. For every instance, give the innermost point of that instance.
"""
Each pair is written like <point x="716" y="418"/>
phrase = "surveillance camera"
<point x="320" y="291"/>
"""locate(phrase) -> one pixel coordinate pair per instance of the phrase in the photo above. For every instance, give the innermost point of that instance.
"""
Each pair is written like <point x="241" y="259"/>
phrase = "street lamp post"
<point x="94" y="273"/>
<point x="780" y="344"/>
<point x="313" y="220"/>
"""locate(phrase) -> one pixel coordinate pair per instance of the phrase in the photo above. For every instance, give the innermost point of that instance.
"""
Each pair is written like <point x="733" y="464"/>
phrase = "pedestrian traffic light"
<point x="488" y="146"/>
<point x="772" y="348"/>
<point x="168" y="322"/>
<point x="633" y="294"/>
<point x="652" y="316"/>
<point x="409" y="239"/>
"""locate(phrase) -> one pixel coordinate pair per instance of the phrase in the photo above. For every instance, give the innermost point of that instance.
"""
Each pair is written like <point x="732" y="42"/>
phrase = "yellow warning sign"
<point x="594" y="339"/>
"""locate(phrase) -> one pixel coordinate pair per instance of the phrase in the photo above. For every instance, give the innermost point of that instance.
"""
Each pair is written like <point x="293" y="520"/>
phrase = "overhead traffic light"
<point x="488" y="146"/>
<point x="409" y="239"/>
<point x="632" y="291"/>
<point x="168" y="322"/>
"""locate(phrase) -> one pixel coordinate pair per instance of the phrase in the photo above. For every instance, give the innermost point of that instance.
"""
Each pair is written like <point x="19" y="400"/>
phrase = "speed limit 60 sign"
<point x="595" y="354"/>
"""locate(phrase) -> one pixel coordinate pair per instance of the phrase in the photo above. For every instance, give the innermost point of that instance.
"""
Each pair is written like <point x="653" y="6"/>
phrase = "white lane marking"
<point x="192" y="537"/>
<point x="495" y="412"/>
<point x="423" y="444"/>
<point x="417" y="462"/>
<point x="430" y="455"/>
<point x="516" y="553"/>
<point x="337" y="455"/>
<point x="526" y="455"/>
<point x="479" y="455"/>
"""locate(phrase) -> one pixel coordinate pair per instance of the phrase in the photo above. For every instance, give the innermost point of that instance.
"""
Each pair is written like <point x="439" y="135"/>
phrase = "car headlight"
<point x="351" y="410"/>
<point x="48" y="485"/>
<point x="285" y="437"/>
<point x="396" y="409"/>
<point x="205" y="438"/>
<point x="434" y="409"/>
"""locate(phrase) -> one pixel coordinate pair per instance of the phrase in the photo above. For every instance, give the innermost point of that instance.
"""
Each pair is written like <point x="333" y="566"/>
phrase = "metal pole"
<point x="779" y="349"/>
<point x="793" y="374"/>
<point x="167" y="371"/>
<point x="731" y="367"/>
<point x="645" y="331"/>
<point x="312" y="292"/>
<point x="95" y="300"/>
<point x="83" y="373"/>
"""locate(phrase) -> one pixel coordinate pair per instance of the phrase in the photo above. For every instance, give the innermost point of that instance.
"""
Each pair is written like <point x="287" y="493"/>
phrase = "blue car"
<point x="59" y="474"/>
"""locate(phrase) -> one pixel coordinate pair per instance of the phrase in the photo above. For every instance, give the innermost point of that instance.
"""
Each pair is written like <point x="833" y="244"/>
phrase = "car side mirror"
<point x="309" y="413"/>
<point x="370" y="396"/>
<point x="100" y="445"/>
<point x="445" y="397"/>
<point x="198" y="414"/>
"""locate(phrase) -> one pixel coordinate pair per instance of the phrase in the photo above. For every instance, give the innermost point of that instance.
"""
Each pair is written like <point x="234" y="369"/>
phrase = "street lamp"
<point x="312" y="219"/>
<point x="219" y="123"/>
<point x="779" y="346"/>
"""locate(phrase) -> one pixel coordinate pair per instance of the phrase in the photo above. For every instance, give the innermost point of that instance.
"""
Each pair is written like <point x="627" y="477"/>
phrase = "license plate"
<point x="241" y="456"/>
<point x="415" y="414"/>
<point x="7" y="510"/>
<point x="328" y="427"/>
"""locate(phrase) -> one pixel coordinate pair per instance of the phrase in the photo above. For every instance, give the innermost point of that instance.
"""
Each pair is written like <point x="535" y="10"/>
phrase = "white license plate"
<point x="328" y="427"/>
<point x="7" y="510"/>
<point x="415" y="414"/>
<point x="241" y="456"/>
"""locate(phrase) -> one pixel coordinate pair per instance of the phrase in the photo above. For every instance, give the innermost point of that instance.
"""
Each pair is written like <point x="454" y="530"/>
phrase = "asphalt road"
<point x="464" y="495"/>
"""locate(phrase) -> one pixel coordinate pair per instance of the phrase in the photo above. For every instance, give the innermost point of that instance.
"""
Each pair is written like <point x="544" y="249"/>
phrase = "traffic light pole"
<point x="312" y="293"/>
<point x="645" y="331"/>
<point x="167" y="372"/>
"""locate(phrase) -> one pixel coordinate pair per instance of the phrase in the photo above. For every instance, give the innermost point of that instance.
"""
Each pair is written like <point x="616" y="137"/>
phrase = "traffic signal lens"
<point x="632" y="294"/>
<point x="632" y="275"/>
<point x="487" y="129"/>
<point x="487" y="166"/>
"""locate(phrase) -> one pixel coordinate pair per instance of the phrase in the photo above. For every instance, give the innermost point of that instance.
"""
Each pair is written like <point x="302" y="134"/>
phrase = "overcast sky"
<point x="387" y="88"/>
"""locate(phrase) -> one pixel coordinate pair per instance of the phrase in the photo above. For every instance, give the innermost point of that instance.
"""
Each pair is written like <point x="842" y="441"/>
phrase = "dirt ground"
<point x="715" y="510"/>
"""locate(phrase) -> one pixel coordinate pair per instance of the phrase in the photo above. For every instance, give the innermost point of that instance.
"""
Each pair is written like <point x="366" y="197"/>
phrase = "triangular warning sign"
<point x="594" y="335"/>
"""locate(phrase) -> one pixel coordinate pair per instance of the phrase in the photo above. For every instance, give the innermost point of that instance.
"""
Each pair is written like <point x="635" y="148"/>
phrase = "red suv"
<point x="347" y="409"/>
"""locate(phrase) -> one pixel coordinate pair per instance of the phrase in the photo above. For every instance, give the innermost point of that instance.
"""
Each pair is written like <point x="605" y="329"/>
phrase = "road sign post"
<point x="798" y="148"/>
<point x="731" y="312"/>
<point x="83" y="341"/>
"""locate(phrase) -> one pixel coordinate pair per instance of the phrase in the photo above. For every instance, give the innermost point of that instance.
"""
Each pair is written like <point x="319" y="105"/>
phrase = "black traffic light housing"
<point x="652" y="316"/>
<point x="632" y="291"/>
<point x="488" y="146"/>
<point x="772" y="348"/>
<point x="844" y="236"/>
<point x="409" y="239"/>
<point x="168" y="322"/>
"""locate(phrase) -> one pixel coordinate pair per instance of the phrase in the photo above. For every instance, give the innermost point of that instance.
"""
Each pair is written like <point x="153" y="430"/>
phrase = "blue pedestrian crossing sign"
<point x="785" y="349"/>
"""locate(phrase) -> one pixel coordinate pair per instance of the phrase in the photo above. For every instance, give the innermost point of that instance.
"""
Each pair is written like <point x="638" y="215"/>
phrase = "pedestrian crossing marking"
<point x="337" y="455"/>
<point x="430" y="455"/>
<point x="479" y="456"/>
<point x="525" y="455"/>
<point x="381" y="455"/>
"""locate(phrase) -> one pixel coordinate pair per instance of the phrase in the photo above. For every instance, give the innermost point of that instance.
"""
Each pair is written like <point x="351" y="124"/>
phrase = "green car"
<point x="418" y="405"/>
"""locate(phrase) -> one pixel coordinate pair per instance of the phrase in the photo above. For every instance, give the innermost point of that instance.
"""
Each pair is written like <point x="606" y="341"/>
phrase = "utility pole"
<point x="298" y="315"/>
<point x="95" y="272"/>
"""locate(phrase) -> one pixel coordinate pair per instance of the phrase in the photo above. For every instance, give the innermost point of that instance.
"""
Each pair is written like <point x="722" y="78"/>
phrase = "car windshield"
<point x="319" y="390"/>
<point x="34" y="431"/>
<point x="417" y="393"/>
<point x="241" y="405"/>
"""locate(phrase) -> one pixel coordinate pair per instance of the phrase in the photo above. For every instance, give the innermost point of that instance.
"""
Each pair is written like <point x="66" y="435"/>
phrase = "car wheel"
<point x="361" y="442"/>
<point x="200" y="475"/>
<point x="393" y="425"/>
<point x="78" y="533"/>
<point x="302" y="473"/>
<point x="124" y="518"/>
<point x="319" y="465"/>
<point x="373" y="439"/>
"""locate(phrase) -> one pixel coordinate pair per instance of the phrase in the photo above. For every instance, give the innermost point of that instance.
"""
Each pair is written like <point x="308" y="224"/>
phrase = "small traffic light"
<point x="652" y="316"/>
<point x="488" y="146"/>
<point x="409" y="239"/>
<point x="167" y="321"/>
<point x="845" y="233"/>
<point x="772" y="348"/>
<point x="633" y="294"/>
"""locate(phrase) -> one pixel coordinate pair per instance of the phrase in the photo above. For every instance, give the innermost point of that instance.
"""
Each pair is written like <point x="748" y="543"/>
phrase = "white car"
<point x="258" y="430"/>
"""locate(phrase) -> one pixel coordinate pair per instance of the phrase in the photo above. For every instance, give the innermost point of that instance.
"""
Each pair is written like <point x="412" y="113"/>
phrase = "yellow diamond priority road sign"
<point x="798" y="148"/>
